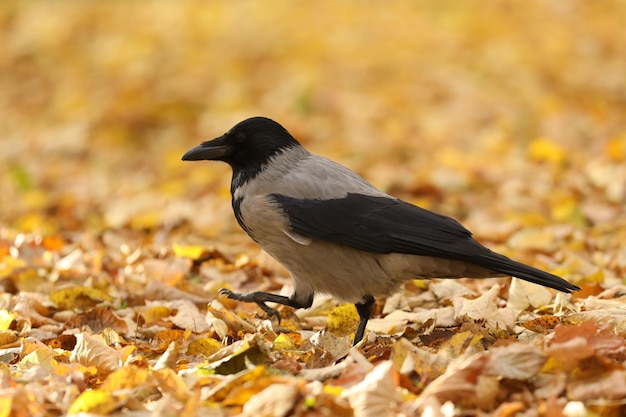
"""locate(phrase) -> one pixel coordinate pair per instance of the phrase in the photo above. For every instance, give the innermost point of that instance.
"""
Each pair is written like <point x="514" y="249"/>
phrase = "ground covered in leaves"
<point x="506" y="115"/>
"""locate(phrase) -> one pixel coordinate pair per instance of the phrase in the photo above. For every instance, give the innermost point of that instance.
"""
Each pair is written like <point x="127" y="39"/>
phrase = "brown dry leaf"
<point x="188" y="316"/>
<point x="571" y="352"/>
<point x="603" y="386"/>
<point x="470" y="375"/>
<point x="30" y="307"/>
<point x="516" y="361"/>
<point x="233" y="322"/>
<point x="164" y="338"/>
<point x="156" y="290"/>
<point x="542" y="324"/>
<point x="65" y="342"/>
<point x="96" y="320"/>
<point x="598" y="337"/>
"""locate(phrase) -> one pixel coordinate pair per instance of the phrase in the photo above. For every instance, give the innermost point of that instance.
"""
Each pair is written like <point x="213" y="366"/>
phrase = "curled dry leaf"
<point x="168" y="358"/>
<point x="376" y="395"/>
<point x="277" y="400"/>
<point x="411" y="359"/>
<point x="523" y="295"/>
<point x="90" y="350"/>
<point x="188" y="316"/>
<point x="520" y="362"/>
<point x="467" y="378"/>
<point x="484" y="308"/>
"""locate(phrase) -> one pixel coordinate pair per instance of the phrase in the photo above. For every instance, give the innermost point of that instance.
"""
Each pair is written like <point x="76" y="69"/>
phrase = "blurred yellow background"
<point x="478" y="109"/>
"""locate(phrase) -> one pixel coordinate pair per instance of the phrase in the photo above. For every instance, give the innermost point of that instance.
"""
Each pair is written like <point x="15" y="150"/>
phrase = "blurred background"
<point x="507" y="115"/>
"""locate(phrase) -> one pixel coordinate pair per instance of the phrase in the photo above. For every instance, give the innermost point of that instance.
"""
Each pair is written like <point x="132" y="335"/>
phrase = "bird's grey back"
<point x="298" y="173"/>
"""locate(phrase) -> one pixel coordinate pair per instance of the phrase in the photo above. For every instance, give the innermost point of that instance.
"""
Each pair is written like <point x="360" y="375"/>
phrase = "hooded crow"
<point x="335" y="232"/>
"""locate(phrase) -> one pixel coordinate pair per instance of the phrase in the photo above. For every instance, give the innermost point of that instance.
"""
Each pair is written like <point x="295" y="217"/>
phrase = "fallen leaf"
<point x="90" y="350"/>
<point x="484" y="308"/>
<point x="78" y="298"/>
<point x="376" y="395"/>
<point x="277" y="400"/>
<point x="96" y="320"/>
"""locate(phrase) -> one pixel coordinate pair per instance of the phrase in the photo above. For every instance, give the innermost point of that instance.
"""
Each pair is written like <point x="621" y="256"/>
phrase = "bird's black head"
<point x="246" y="147"/>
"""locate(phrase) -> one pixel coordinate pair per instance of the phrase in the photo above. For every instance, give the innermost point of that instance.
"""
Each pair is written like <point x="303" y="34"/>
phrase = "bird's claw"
<point x="226" y="293"/>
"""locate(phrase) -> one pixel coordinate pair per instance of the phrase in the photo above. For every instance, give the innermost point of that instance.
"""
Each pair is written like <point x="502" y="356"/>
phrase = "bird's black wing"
<point x="384" y="225"/>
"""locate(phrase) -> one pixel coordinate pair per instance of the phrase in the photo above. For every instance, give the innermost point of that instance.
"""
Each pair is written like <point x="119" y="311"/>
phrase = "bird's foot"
<point x="251" y="297"/>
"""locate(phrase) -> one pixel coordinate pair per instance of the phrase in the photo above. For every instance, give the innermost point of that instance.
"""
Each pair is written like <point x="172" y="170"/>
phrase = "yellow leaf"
<point x="146" y="220"/>
<point x="5" y="406"/>
<point x="8" y="264"/>
<point x="7" y="337"/>
<point x="204" y="346"/>
<point x="30" y="280"/>
<point x="6" y="318"/>
<point x="170" y="382"/>
<point x="596" y="277"/>
<point x="342" y="320"/>
<point x="42" y="356"/>
<point x="543" y="150"/>
<point x="78" y="297"/>
<point x="126" y="378"/>
<point x="283" y="342"/>
<point x="334" y="390"/>
<point x="189" y="251"/>
<point x="155" y="313"/>
<point x="616" y="148"/>
<point x="162" y="339"/>
<point x="94" y="401"/>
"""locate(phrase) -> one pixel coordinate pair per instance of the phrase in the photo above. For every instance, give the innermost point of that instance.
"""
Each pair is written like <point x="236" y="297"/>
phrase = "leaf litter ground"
<point x="508" y="117"/>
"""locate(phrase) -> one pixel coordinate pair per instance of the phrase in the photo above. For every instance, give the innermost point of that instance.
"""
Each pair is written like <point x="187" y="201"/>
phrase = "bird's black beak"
<point x="212" y="150"/>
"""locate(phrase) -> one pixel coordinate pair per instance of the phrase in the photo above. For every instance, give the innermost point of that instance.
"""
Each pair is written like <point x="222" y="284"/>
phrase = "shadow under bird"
<point x="335" y="232"/>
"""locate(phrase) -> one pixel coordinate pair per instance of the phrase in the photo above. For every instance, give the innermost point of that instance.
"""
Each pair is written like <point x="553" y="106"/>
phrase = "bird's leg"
<point x="365" y="311"/>
<point x="260" y="298"/>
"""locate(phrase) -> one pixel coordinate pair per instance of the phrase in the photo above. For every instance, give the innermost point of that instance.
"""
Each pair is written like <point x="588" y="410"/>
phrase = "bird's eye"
<point x="240" y="137"/>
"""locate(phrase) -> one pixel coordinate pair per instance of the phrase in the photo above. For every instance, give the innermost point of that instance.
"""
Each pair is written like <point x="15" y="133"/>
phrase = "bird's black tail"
<point x="501" y="263"/>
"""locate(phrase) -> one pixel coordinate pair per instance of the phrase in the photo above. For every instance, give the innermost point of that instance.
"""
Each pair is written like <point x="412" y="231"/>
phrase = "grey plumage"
<point x="335" y="232"/>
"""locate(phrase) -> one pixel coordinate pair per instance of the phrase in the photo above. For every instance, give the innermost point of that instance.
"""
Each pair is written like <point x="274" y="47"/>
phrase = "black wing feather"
<point x="387" y="225"/>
